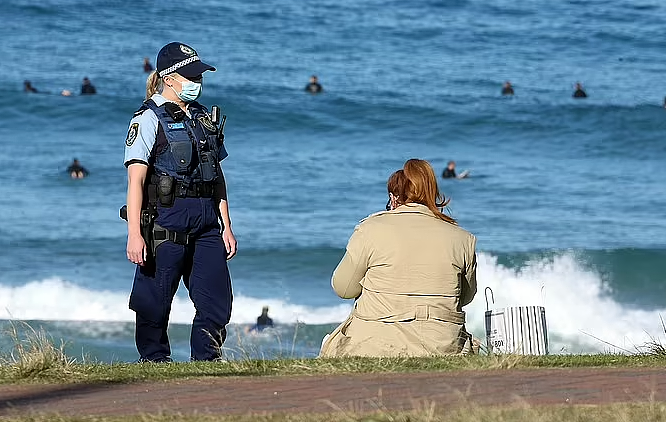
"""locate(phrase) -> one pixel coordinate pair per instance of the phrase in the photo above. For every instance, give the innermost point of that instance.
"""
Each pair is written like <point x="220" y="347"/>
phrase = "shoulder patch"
<point x="132" y="133"/>
<point x="207" y="123"/>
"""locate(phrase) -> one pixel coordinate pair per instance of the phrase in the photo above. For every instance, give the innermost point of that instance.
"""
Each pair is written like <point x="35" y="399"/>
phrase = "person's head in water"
<point x="314" y="80"/>
<point x="75" y="162"/>
<point x="27" y="87"/>
<point x="416" y="183"/>
<point x="264" y="311"/>
<point x="579" y="86"/>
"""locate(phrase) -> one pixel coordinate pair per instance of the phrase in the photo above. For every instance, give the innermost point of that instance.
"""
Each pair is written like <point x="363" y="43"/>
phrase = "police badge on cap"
<point x="181" y="58"/>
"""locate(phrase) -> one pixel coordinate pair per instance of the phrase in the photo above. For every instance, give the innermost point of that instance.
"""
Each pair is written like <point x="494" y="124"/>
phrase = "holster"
<point x="146" y="222"/>
<point x="161" y="235"/>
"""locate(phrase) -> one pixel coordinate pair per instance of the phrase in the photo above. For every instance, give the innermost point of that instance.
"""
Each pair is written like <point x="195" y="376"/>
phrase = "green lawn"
<point x="35" y="368"/>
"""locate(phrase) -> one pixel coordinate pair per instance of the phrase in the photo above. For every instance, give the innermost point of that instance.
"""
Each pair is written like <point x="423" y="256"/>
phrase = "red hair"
<point x="416" y="182"/>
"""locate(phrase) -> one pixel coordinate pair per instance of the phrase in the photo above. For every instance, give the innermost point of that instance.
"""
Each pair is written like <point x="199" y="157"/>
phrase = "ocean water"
<point x="566" y="197"/>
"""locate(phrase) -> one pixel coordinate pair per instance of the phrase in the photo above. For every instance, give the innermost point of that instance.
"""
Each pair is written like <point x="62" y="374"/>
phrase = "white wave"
<point x="55" y="299"/>
<point x="580" y="312"/>
<point x="578" y="305"/>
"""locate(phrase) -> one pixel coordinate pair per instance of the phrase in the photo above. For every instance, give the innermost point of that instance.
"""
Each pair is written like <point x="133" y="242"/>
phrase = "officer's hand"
<point x="229" y="242"/>
<point x="136" y="249"/>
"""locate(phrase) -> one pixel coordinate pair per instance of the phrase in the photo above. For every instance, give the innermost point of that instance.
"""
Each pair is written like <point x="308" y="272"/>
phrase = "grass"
<point x="36" y="359"/>
<point x="645" y="412"/>
<point x="62" y="370"/>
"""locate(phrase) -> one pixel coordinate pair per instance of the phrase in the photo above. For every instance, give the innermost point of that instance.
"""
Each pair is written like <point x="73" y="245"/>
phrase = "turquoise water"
<point x="566" y="194"/>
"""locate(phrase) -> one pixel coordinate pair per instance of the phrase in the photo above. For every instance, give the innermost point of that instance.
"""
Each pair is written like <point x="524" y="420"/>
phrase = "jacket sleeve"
<point x="468" y="278"/>
<point x="350" y="271"/>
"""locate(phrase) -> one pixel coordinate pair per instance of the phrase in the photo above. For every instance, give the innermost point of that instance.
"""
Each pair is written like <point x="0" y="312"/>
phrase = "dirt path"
<point x="360" y="392"/>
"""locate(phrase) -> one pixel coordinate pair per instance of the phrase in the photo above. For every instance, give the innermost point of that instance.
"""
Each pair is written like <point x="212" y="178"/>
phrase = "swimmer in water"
<point x="87" y="88"/>
<point x="147" y="67"/>
<point x="27" y="87"/>
<point x="76" y="170"/>
<point x="450" y="171"/>
<point x="314" y="87"/>
<point x="507" y="88"/>
<point x="579" y="93"/>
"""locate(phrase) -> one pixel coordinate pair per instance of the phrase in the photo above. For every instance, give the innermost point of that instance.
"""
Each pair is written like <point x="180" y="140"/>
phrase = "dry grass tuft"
<point x="425" y="412"/>
<point x="35" y="355"/>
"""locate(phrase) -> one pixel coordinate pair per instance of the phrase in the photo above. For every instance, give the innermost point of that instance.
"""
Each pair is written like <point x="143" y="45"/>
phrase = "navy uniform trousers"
<point x="203" y="266"/>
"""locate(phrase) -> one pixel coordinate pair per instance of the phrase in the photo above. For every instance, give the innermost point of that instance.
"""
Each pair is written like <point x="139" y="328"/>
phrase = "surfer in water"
<point x="580" y="92"/>
<point x="507" y="88"/>
<point x="76" y="170"/>
<point x="27" y="87"/>
<point x="314" y="87"/>
<point x="87" y="88"/>
<point x="263" y="321"/>
<point x="450" y="172"/>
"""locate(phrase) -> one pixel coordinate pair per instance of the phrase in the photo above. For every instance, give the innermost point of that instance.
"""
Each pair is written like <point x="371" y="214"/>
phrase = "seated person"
<point x="411" y="271"/>
<point x="27" y="87"/>
<point x="76" y="170"/>
<point x="450" y="171"/>
<point x="87" y="88"/>
<point x="579" y="93"/>
<point x="507" y="89"/>
<point x="314" y="87"/>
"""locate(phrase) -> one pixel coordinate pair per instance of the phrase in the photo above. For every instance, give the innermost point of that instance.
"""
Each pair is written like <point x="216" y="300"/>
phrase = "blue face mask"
<point x="190" y="91"/>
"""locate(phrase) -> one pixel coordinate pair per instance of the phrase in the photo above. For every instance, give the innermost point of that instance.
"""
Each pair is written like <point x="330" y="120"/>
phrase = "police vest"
<point x="191" y="153"/>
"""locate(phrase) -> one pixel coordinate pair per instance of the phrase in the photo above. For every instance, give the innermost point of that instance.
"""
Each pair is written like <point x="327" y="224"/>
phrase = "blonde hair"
<point x="154" y="84"/>
<point x="416" y="182"/>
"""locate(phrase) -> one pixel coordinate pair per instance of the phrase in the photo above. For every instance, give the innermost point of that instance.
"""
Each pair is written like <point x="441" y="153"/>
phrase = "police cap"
<point x="181" y="58"/>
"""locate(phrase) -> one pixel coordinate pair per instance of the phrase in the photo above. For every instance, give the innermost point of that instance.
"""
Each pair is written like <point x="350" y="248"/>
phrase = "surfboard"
<point x="463" y="174"/>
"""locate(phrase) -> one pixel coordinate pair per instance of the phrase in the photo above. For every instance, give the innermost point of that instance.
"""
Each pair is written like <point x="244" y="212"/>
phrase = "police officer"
<point x="176" y="197"/>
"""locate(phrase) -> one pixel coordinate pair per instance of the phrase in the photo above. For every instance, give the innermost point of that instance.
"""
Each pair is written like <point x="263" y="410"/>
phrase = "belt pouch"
<point x="182" y="152"/>
<point x="207" y="165"/>
<point x="165" y="191"/>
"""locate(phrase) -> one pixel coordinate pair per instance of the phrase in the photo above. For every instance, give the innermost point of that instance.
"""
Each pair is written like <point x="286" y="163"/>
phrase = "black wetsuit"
<point x="579" y="94"/>
<point x="87" y="89"/>
<point x="507" y="91"/>
<point x="449" y="174"/>
<point x="147" y="67"/>
<point x="314" y="87"/>
<point x="263" y="321"/>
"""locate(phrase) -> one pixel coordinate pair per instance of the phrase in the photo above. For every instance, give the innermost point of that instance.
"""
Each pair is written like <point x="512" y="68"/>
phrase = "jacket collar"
<point x="412" y="208"/>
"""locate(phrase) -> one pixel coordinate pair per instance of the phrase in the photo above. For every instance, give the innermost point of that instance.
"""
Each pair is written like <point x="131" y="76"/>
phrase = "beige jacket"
<point x="411" y="274"/>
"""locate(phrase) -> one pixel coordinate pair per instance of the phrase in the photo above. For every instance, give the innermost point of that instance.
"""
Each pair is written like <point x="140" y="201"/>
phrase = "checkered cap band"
<point x="179" y="65"/>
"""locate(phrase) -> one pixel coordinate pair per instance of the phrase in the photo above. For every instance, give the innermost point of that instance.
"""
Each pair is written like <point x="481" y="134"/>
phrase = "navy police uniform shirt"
<point x="142" y="134"/>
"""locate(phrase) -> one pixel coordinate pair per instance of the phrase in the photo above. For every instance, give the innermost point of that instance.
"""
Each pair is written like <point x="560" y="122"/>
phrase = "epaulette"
<point x="374" y="215"/>
<point x="141" y="109"/>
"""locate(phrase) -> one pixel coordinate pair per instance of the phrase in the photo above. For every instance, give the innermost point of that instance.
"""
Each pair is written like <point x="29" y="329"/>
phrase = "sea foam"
<point x="581" y="313"/>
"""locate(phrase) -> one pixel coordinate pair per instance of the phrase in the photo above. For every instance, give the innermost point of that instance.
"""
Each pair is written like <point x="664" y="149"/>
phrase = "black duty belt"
<point x="195" y="190"/>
